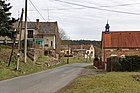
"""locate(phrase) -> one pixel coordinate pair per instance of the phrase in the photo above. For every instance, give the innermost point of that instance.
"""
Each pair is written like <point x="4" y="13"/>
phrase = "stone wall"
<point x="34" y="54"/>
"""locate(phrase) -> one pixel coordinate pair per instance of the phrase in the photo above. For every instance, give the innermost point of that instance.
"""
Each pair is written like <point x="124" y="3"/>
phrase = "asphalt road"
<point x="48" y="81"/>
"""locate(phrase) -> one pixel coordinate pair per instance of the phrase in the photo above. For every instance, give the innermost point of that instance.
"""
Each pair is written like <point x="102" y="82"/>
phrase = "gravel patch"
<point x="91" y="72"/>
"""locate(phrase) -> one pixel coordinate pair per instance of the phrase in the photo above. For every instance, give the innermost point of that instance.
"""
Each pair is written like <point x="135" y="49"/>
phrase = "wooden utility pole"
<point x="68" y="55"/>
<point x="13" y="45"/>
<point x="25" y="34"/>
<point x="19" y="42"/>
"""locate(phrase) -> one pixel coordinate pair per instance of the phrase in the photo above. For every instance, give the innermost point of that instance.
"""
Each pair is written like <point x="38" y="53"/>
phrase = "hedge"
<point x="128" y="63"/>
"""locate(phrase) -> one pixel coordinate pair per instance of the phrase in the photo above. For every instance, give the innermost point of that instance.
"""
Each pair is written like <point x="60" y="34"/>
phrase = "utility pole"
<point x="19" y="42"/>
<point x="25" y="34"/>
<point x="68" y="55"/>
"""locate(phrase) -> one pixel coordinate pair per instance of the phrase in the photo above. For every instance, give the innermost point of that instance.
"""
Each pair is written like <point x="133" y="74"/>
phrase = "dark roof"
<point x="44" y="27"/>
<point x="121" y="39"/>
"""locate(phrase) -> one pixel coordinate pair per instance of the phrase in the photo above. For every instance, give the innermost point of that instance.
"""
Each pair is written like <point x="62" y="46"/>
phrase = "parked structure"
<point x="120" y="43"/>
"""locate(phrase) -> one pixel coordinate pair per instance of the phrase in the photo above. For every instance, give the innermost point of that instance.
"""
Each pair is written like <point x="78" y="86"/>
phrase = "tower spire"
<point x="107" y="28"/>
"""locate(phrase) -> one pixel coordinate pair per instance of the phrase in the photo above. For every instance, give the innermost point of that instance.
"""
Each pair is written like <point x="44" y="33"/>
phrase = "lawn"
<point x="113" y="82"/>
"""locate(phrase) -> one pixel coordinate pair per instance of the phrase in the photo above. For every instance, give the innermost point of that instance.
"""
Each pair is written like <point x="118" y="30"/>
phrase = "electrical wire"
<point x="116" y="11"/>
<point x="128" y="4"/>
<point x="121" y="5"/>
<point x="37" y="10"/>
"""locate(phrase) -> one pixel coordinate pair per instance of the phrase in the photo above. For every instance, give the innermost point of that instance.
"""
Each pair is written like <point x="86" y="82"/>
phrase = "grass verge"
<point x="29" y="67"/>
<point x="113" y="82"/>
<point x="25" y="68"/>
<point x="76" y="60"/>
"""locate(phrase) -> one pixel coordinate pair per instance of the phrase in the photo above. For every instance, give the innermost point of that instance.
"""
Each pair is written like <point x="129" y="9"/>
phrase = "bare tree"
<point x="63" y="34"/>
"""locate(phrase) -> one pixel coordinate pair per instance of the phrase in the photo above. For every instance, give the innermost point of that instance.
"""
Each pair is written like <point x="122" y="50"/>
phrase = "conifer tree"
<point x="6" y="21"/>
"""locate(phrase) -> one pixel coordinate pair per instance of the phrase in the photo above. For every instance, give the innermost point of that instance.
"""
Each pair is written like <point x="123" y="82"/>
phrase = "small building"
<point x="120" y="43"/>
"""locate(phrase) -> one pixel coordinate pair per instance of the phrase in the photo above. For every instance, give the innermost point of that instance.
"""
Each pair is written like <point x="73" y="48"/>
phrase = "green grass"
<point x="113" y="82"/>
<point x="5" y="47"/>
<point x="29" y="67"/>
<point x="43" y="59"/>
<point x="26" y="68"/>
<point x="75" y="60"/>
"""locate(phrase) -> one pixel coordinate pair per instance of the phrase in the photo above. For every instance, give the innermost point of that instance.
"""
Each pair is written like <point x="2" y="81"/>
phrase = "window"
<point x="46" y="45"/>
<point x="30" y="33"/>
<point x="51" y="43"/>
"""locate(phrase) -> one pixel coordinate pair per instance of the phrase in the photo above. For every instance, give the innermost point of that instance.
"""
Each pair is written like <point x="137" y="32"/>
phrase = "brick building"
<point x="120" y="43"/>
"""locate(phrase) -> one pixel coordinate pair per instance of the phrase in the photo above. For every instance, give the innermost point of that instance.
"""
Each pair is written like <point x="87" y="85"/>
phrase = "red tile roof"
<point x="121" y="39"/>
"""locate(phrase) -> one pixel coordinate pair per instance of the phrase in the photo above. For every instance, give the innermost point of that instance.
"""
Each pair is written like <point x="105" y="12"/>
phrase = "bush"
<point x="129" y="63"/>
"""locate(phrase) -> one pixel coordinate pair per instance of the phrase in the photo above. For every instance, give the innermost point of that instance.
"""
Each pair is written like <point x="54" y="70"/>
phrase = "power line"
<point x="121" y="5"/>
<point x="128" y="4"/>
<point x="116" y="11"/>
<point x="60" y="9"/>
<point x="37" y="10"/>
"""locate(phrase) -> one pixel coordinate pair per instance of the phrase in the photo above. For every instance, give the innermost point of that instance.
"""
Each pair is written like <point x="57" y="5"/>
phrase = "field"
<point x="112" y="82"/>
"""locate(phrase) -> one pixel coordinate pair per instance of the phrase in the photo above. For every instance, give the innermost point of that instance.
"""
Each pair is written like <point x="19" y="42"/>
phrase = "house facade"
<point x="43" y="35"/>
<point x="120" y="43"/>
<point x="90" y="52"/>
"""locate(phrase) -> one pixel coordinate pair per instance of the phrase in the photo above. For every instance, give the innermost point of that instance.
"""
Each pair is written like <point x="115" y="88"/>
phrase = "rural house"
<point x="44" y="34"/>
<point x="120" y="43"/>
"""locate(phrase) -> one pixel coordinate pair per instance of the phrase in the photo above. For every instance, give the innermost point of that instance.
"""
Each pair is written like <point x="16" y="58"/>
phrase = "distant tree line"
<point x="82" y="42"/>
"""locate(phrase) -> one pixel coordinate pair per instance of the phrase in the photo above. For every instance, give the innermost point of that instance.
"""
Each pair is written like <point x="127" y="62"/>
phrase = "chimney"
<point x="37" y="24"/>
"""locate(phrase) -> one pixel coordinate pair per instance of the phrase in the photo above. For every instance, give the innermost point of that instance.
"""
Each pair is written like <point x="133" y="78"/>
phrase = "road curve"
<point x="48" y="81"/>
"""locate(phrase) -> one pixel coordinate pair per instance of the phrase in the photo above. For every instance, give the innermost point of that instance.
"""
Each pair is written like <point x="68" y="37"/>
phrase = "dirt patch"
<point x="4" y="54"/>
<point x="91" y="72"/>
<point x="136" y="77"/>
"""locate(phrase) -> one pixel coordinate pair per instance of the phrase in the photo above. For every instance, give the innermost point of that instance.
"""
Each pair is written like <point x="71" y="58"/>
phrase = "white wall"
<point x="90" y="52"/>
<point x="47" y="40"/>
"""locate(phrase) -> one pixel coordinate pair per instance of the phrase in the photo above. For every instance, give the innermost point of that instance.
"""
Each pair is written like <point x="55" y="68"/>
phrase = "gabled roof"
<point x="44" y="27"/>
<point x="121" y="39"/>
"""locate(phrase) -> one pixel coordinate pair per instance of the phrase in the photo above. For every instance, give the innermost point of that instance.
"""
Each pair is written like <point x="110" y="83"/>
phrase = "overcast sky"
<point x="84" y="19"/>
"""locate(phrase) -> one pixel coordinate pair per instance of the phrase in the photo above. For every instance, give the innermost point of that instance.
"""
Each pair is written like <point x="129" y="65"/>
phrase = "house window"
<point x="51" y="43"/>
<point x="30" y="33"/>
<point x="46" y="45"/>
